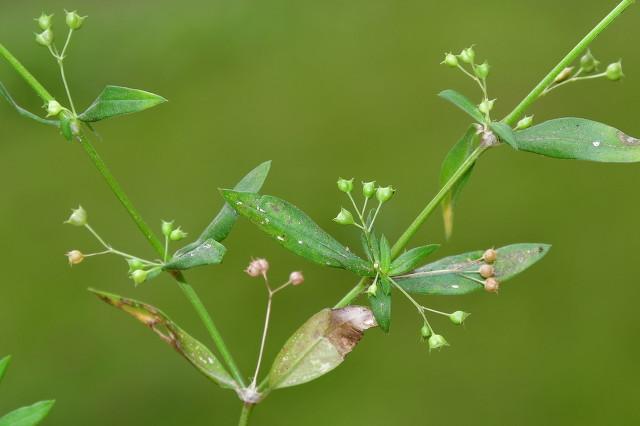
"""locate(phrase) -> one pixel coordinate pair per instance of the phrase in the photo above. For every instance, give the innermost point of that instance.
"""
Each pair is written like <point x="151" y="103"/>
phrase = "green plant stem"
<point x="26" y="75"/>
<point x="353" y="294"/>
<point x="573" y="55"/>
<point x="245" y="414"/>
<point x="188" y="291"/>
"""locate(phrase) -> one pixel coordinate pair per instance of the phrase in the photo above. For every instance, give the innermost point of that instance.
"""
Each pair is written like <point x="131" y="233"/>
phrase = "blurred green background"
<point x="325" y="89"/>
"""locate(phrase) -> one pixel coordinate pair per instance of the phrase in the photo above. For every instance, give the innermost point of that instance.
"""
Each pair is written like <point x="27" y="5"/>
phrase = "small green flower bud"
<point x="75" y="257"/>
<point x="345" y="185"/>
<point x="78" y="217"/>
<point x="491" y="285"/>
<point x="167" y="227"/>
<point x="45" y="38"/>
<point x="384" y="194"/>
<point x="436" y="341"/>
<point x="139" y="276"/>
<point x="564" y="75"/>
<point x="44" y="21"/>
<point x="614" y="71"/>
<point x="458" y="317"/>
<point x="486" y="271"/>
<point x="177" y="234"/>
<point x="135" y="264"/>
<point x="588" y="63"/>
<point x="468" y="55"/>
<point x="53" y="108"/>
<point x="369" y="189"/>
<point x="482" y="71"/>
<point x="74" y="21"/>
<point x="372" y="290"/>
<point x="344" y="217"/>
<point x="486" y="106"/>
<point x="525" y="122"/>
<point x="490" y="255"/>
<point x="425" y="331"/>
<point x="451" y="60"/>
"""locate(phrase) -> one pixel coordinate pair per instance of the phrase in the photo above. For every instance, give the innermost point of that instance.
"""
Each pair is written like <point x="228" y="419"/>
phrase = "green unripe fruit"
<point x="345" y="185"/>
<point x="588" y="63"/>
<point x="425" y="331"/>
<point x="344" y="217"/>
<point x="385" y="194"/>
<point x="167" y="227"/>
<point x="458" y="317"/>
<point x="436" y="341"/>
<point x="139" y="276"/>
<point x="177" y="234"/>
<point x="482" y="71"/>
<point x="53" y="108"/>
<point x="45" y="38"/>
<point x="486" y="106"/>
<point x="372" y="290"/>
<point x="451" y="60"/>
<point x="614" y="71"/>
<point x="525" y="123"/>
<point x="44" y="21"/>
<point x="74" y="21"/>
<point x="135" y="264"/>
<point x="78" y="217"/>
<point x="368" y="189"/>
<point x="468" y="55"/>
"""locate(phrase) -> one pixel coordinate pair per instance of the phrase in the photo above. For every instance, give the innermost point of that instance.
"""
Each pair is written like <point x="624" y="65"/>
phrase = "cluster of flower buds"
<point x="257" y="267"/>
<point x="45" y="23"/>
<point x="467" y="56"/>
<point x="369" y="190"/>
<point x="487" y="271"/>
<point x="173" y="234"/>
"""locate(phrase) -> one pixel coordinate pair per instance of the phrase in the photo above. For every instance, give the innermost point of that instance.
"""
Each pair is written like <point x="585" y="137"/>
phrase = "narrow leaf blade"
<point x="116" y="100"/>
<point x="209" y="252"/>
<point x="23" y="112"/>
<point x="579" y="139"/>
<point x="4" y="364"/>
<point x="320" y="345"/>
<point x="294" y="230"/>
<point x="505" y="133"/>
<point x="457" y="275"/>
<point x="452" y="162"/>
<point x="28" y="416"/>
<point x="196" y="353"/>
<point x="463" y="103"/>
<point x="410" y="260"/>
<point x="381" y="308"/>
<point x="385" y="254"/>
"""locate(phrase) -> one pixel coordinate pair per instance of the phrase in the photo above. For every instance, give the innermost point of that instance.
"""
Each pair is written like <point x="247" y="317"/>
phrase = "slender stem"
<point x="66" y="43"/>
<point x="245" y="414"/>
<point x="265" y="331"/>
<point x="429" y="208"/>
<point x="572" y="80"/>
<point x="353" y="294"/>
<point x="565" y="62"/>
<point x="66" y="85"/>
<point x="25" y="74"/>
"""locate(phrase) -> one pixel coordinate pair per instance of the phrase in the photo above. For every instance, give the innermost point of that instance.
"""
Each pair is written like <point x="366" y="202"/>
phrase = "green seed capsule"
<point x="78" y="217"/>
<point x="588" y="63"/>
<point x="436" y="341"/>
<point x="344" y="217"/>
<point x="425" y="331"/>
<point x="468" y="55"/>
<point x="486" y="106"/>
<point x="451" y="60"/>
<point x="525" y="123"/>
<point x="614" y="71"/>
<point x="482" y="71"/>
<point x="385" y="194"/>
<point x="139" y="276"/>
<point x="53" y="108"/>
<point x="368" y="189"/>
<point x="345" y="185"/>
<point x="135" y="264"/>
<point x="45" y="38"/>
<point x="74" y="21"/>
<point x="458" y="317"/>
<point x="167" y="227"/>
<point x="177" y="234"/>
<point x="44" y="21"/>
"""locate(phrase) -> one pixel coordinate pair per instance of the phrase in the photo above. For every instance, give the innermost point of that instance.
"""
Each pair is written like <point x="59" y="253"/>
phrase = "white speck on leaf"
<point x="596" y="143"/>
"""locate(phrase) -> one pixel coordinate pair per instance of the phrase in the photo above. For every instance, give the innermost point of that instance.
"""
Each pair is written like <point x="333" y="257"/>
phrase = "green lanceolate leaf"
<point x="410" y="260"/>
<point x="65" y="127"/>
<point x="28" y="416"/>
<point x="23" y="112"/>
<point x="580" y="139"/>
<point x="463" y="103"/>
<point x="452" y="162"/>
<point x="456" y="275"/>
<point x="195" y="352"/>
<point x="505" y="133"/>
<point x="320" y="345"/>
<point x="221" y="225"/>
<point x="385" y="284"/>
<point x="381" y="308"/>
<point x="209" y="252"/>
<point x="4" y="364"/>
<point x="385" y="255"/>
<point x="294" y="230"/>
<point x="116" y="100"/>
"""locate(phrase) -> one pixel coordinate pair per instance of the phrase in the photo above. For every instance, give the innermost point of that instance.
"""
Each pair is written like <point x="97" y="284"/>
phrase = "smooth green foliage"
<point x="381" y="307"/>
<point x="411" y="259"/>
<point x="580" y="139"/>
<point x="209" y="252"/>
<point x="294" y="230"/>
<point x="320" y="345"/>
<point x="4" y="364"/>
<point x="456" y="275"/>
<point x="452" y="162"/>
<point x="28" y="416"/>
<point x="195" y="352"/>
<point x="505" y="133"/>
<point x="221" y="225"/>
<point x="463" y="103"/>
<point x="385" y="255"/>
<point x="23" y="112"/>
<point x="65" y="126"/>
<point x="116" y="100"/>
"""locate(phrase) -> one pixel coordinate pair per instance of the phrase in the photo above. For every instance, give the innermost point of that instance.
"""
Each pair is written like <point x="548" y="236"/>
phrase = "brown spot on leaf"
<point x="347" y="326"/>
<point x="628" y="140"/>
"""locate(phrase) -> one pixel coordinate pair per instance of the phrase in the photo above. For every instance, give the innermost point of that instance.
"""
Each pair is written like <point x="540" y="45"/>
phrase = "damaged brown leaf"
<point x="195" y="352"/>
<point x="320" y="345"/>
